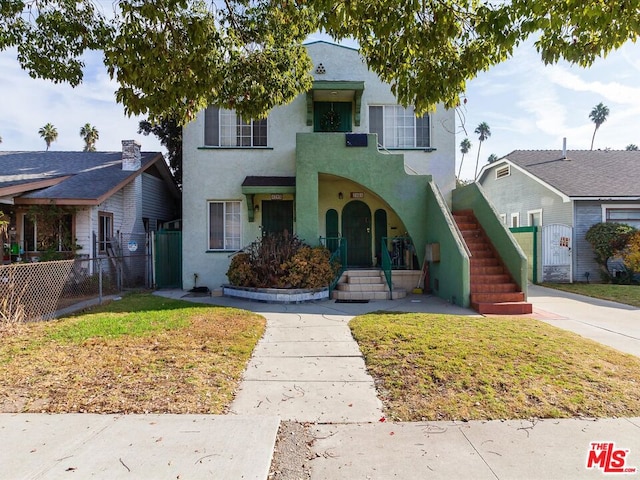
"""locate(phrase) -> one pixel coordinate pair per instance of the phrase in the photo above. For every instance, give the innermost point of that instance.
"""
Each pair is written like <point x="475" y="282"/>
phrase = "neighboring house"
<point x="564" y="193"/>
<point x="342" y="160"/>
<point x="93" y="198"/>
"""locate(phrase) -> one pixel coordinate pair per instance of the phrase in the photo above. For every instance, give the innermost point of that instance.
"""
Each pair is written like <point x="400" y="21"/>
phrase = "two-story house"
<point x="342" y="160"/>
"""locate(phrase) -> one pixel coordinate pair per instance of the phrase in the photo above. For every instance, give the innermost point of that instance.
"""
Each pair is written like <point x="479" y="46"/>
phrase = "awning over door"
<point x="254" y="185"/>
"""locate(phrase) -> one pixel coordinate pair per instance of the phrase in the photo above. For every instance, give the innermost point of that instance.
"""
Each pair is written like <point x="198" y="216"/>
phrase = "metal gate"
<point x="167" y="259"/>
<point x="556" y="253"/>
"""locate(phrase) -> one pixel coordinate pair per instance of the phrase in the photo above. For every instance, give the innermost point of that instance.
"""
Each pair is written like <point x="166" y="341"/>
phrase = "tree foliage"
<point x="90" y="135"/>
<point x="169" y="132"/>
<point x="171" y="58"/>
<point x="483" y="131"/>
<point x="607" y="240"/>
<point x="598" y="116"/>
<point x="632" y="147"/>
<point x="49" y="134"/>
<point x="465" y="146"/>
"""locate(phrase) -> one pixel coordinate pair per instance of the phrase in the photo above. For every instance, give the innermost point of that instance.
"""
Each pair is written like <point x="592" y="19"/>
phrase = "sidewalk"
<point x="308" y="368"/>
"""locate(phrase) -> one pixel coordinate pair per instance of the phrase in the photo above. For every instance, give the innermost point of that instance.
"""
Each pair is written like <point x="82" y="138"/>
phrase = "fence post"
<point x="99" y="282"/>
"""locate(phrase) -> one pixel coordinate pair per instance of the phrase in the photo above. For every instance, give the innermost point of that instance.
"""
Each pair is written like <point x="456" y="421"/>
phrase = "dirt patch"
<point x="292" y="453"/>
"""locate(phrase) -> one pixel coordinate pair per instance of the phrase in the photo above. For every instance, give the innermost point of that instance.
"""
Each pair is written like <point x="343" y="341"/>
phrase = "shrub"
<point x="607" y="240"/>
<point x="310" y="268"/>
<point x="281" y="261"/>
<point x="631" y="254"/>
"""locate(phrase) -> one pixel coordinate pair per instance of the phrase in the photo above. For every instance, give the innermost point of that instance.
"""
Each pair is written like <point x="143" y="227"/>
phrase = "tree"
<point x="90" y="135"/>
<point x="248" y="54"/>
<point x="598" y="115"/>
<point x="169" y="132"/>
<point x="49" y="133"/>
<point x="492" y="158"/>
<point x="632" y="147"/>
<point x="608" y="239"/>
<point x="465" y="146"/>
<point x="483" y="131"/>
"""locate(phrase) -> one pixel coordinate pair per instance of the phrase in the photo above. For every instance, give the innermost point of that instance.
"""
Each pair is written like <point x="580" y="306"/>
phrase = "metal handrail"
<point x="386" y="267"/>
<point x="339" y="254"/>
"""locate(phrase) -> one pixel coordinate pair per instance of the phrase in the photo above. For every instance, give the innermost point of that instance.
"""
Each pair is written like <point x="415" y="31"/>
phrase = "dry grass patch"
<point x="141" y="354"/>
<point x="446" y="367"/>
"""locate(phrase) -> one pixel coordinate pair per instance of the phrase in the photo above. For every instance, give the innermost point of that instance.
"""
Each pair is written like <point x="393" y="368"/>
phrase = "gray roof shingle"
<point x="92" y="174"/>
<point x="584" y="173"/>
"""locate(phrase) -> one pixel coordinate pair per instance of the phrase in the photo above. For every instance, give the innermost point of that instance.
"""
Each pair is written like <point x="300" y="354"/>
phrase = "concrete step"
<point x="497" y="297"/>
<point x="359" y="279"/>
<point x="487" y="270"/>
<point x="495" y="279"/>
<point x="508" y="308"/>
<point x="493" y="287"/>
<point x="362" y="287"/>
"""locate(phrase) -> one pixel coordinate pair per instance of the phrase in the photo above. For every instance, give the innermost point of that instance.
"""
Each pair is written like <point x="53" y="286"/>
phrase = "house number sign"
<point x="276" y="196"/>
<point x="357" y="194"/>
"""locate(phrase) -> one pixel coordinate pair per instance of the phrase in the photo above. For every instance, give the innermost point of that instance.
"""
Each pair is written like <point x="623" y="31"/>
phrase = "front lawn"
<point x="447" y="367"/>
<point x="140" y="354"/>
<point x="628" y="294"/>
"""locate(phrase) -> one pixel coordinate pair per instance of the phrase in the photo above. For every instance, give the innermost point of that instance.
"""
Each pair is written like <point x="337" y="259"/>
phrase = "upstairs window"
<point x="224" y="128"/>
<point x="398" y="127"/>
<point x="630" y="216"/>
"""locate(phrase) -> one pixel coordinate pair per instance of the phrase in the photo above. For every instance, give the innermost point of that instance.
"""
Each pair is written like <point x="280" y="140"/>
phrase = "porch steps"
<point x="492" y="289"/>
<point x="365" y="285"/>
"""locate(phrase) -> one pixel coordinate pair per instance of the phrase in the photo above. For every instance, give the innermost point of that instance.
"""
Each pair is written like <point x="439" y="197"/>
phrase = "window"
<point x="535" y="218"/>
<point x="515" y="220"/>
<point x="54" y="234"/>
<point x="105" y="231"/>
<point x="224" y="128"/>
<point x="630" y="216"/>
<point x="398" y="127"/>
<point x="503" y="218"/>
<point x="224" y="225"/>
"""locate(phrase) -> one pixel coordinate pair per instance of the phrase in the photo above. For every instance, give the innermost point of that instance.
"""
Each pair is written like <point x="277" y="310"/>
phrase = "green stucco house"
<point x="343" y="164"/>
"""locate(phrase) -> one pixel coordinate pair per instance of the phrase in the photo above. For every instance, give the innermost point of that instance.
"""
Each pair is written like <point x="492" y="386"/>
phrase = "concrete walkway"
<point x="308" y="368"/>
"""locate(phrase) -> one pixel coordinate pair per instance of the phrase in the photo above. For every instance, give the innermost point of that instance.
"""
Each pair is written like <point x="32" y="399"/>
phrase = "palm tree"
<point x="49" y="133"/>
<point x="484" y="132"/>
<point x="492" y="158"/>
<point x="598" y="116"/>
<point x="465" y="146"/>
<point x="632" y="147"/>
<point x="90" y="135"/>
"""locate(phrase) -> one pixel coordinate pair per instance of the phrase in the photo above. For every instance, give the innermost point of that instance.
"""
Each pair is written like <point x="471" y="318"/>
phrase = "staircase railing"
<point x="386" y="265"/>
<point x="338" y="248"/>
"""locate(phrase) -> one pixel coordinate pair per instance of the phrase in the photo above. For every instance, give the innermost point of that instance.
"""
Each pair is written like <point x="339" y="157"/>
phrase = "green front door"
<point x="332" y="116"/>
<point x="277" y="216"/>
<point x="356" y="228"/>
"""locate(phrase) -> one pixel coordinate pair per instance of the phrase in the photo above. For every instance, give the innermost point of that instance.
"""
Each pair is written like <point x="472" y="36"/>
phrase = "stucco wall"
<point x="211" y="173"/>
<point x="519" y="193"/>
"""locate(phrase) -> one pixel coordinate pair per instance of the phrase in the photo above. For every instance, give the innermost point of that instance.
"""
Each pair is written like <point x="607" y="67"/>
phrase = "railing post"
<point x="99" y="282"/>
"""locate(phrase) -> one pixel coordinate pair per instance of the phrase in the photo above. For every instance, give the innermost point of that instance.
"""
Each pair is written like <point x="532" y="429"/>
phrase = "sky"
<point x="526" y="104"/>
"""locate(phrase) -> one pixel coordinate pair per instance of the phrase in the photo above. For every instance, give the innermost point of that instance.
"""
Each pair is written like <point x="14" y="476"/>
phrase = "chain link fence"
<point x="36" y="291"/>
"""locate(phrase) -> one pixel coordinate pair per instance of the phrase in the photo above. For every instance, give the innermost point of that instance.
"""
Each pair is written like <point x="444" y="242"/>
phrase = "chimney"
<point x="131" y="157"/>
<point x="564" y="148"/>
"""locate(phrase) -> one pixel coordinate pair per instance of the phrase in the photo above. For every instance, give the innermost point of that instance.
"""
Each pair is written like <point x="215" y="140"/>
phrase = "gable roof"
<point x="71" y="178"/>
<point x="583" y="173"/>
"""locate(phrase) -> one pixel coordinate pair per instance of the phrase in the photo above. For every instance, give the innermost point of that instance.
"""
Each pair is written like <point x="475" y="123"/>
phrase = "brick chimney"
<point x="131" y="157"/>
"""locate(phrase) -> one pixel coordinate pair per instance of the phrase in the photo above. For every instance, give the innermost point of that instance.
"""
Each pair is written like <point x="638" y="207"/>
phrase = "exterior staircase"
<point x="363" y="285"/>
<point x="493" y="291"/>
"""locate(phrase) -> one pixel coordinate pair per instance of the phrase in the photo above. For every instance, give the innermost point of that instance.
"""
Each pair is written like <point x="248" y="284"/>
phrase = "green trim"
<point x="268" y="189"/>
<point x="357" y="86"/>
<point x="214" y="147"/>
<point x="338" y="85"/>
<point x="522" y="229"/>
<point x="250" y="211"/>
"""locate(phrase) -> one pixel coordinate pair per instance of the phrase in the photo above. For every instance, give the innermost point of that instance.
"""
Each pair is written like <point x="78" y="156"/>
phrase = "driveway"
<point x="609" y="323"/>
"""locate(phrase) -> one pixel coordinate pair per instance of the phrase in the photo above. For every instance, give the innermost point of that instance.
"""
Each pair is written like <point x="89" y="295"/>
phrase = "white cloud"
<point x="28" y="104"/>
